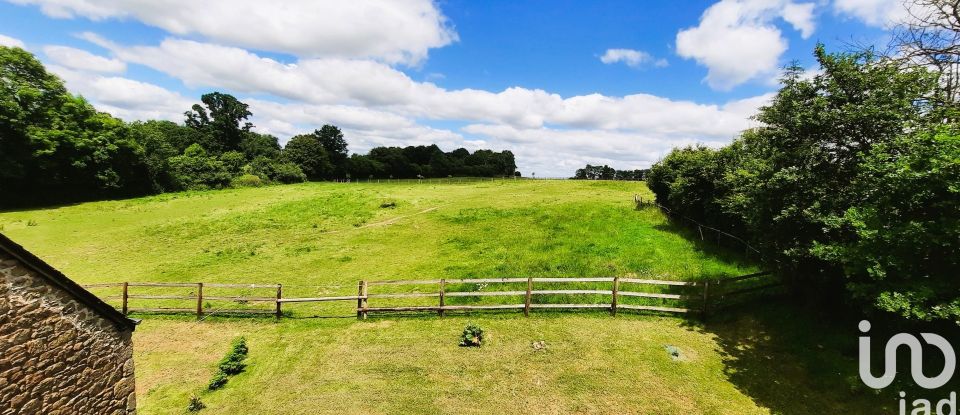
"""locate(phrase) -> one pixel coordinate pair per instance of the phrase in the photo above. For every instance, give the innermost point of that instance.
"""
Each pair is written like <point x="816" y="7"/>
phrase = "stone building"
<point x="62" y="349"/>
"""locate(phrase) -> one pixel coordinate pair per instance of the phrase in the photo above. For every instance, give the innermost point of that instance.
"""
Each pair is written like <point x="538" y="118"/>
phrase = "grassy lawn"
<point x="321" y="238"/>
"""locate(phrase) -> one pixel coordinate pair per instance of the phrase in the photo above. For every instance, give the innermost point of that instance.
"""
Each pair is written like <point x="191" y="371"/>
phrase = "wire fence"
<point x="720" y="235"/>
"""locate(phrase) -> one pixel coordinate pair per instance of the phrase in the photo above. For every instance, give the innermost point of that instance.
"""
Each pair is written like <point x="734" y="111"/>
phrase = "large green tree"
<point x="849" y="186"/>
<point x="56" y="147"/>
<point x="307" y="152"/>
<point x="222" y="120"/>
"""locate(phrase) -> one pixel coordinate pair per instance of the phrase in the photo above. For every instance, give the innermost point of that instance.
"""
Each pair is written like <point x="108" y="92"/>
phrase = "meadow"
<point x="321" y="238"/>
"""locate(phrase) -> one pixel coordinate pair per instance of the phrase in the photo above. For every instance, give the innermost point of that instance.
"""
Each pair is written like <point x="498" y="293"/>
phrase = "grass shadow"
<point x="708" y="243"/>
<point x="794" y="359"/>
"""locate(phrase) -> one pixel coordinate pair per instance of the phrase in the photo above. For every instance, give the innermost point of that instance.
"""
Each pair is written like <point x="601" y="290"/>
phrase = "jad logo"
<point x="946" y="406"/>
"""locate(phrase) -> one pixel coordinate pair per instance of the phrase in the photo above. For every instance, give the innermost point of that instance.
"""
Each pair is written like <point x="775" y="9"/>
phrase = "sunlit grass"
<point x="322" y="238"/>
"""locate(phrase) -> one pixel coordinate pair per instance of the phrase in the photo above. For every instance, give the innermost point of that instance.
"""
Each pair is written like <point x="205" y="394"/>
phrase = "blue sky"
<point x="561" y="83"/>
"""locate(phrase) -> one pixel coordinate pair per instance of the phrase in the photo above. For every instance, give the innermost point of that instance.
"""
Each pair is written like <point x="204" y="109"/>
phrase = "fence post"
<point x="706" y="298"/>
<point x="700" y="228"/>
<point x="443" y="289"/>
<point x="526" y="303"/>
<point x="613" y="301"/>
<point x="199" y="300"/>
<point x="124" y="307"/>
<point x="360" y="300"/>
<point x="279" y="296"/>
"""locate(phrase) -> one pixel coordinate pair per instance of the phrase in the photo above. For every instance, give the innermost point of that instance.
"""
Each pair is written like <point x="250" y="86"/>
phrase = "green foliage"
<point x="221" y="120"/>
<point x="254" y="145"/>
<point x="218" y="381"/>
<point x="472" y="336"/>
<point x="246" y="180"/>
<point x="55" y="146"/>
<point x="308" y="153"/>
<point x="195" y="404"/>
<point x="848" y="187"/>
<point x="161" y="140"/>
<point x="608" y="173"/>
<point x="286" y="172"/>
<point x="906" y="223"/>
<point x="430" y="161"/>
<point x="331" y="138"/>
<point x="233" y="161"/>
<point x="231" y="364"/>
<point x="195" y="170"/>
<point x="689" y="181"/>
<point x="275" y="170"/>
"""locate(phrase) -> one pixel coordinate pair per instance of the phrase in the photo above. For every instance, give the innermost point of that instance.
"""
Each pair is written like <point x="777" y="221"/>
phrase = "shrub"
<point x="195" y="170"/>
<point x="472" y="336"/>
<point x="195" y="404"/>
<point x="239" y="346"/>
<point x="233" y="161"/>
<point x="246" y="180"/>
<point x="287" y="173"/>
<point x="218" y="381"/>
<point x="232" y="363"/>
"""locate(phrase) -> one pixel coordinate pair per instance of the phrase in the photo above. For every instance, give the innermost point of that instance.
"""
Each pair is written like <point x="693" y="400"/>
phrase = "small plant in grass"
<point x="231" y="364"/>
<point x="31" y="222"/>
<point x="195" y="404"/>
<point x="472" y="336"/>
<point x="218" y="381"/>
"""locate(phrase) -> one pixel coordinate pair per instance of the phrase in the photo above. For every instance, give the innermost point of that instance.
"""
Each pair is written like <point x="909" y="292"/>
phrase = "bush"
<point x="285" y="172"/>
<point x="246" y="180"/>
<point x="219" y="379"/>
<point x="233" y="161"/>
<point x="231" y="364"/>
<point x="195" y="404"/>
<point x="472" y="336"/>
<point x="195" y="170"/>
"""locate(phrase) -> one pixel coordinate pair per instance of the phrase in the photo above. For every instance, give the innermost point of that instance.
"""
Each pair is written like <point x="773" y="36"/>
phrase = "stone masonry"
<point x="57" y="355"/>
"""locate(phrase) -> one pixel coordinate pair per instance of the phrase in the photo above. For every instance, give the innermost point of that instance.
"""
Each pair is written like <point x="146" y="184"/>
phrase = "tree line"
<point x="55" y="147"/>
<point x="850" y="186"/>
<point x="606" y="172"/>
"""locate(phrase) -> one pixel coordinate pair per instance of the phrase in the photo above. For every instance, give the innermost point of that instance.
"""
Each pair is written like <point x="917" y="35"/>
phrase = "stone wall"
<point x="57" y="356"/>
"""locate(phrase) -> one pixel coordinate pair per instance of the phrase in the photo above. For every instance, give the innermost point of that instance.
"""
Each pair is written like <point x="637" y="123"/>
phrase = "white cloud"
<point x="378" y="86"/>
<point x="737" y="41"/>
<point x="80" y="59"/>
<point x="633" y="58"/>
<point x="394" y="31"/>
<point x="800" y="16"/>
<point x="567" y="148"/>
<point x="376" y="104"/>
<point x="123" y="97"/>
<point x="10" y="41"/>
<point x="880" y="13"/>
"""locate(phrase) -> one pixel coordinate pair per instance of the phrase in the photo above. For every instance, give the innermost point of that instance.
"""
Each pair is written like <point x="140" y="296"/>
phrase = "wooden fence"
<point x="701" y="297"/>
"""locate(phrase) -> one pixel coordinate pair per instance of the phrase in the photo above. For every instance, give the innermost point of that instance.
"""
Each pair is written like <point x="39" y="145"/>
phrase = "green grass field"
<point x="321" y="238"/>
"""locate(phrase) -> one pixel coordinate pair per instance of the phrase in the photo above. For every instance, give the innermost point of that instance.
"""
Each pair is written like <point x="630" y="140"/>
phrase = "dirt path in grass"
<point x="386" y="222"/>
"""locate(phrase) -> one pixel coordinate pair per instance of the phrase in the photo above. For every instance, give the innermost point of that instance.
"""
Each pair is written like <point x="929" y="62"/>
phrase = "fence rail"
<point x="702" y="297"/>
